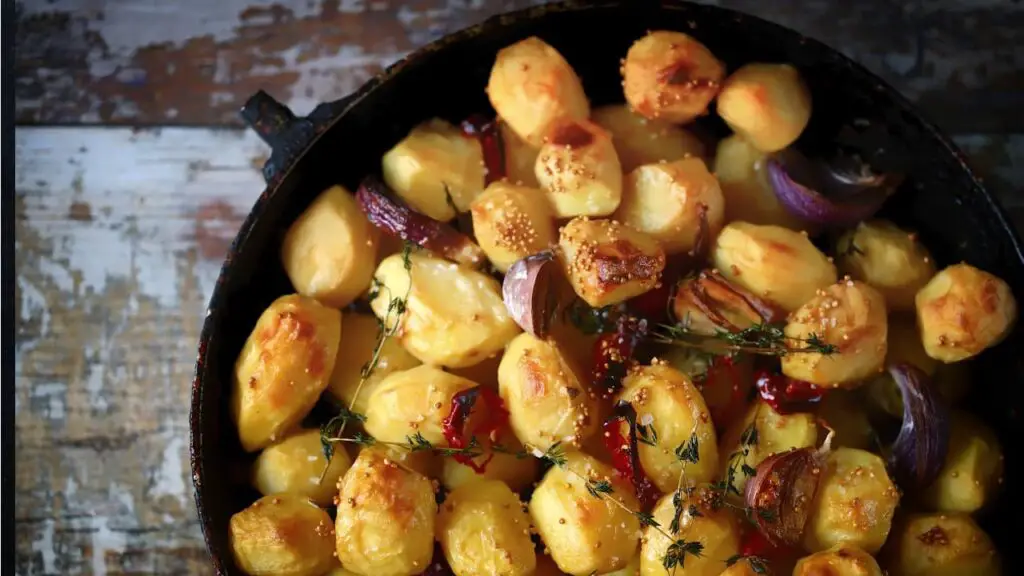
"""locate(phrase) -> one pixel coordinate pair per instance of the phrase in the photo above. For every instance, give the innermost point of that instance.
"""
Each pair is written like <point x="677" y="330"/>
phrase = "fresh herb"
<point x="598" y="487"/>
<point x="757" y="564"/>
<point x="763" y="339"/>
<point x="689" y="451"/>
<point x="448" y="198"/>
<point x="677" y="551"/>
<point x="589" y="320"/>
<point x="647" y="434"/>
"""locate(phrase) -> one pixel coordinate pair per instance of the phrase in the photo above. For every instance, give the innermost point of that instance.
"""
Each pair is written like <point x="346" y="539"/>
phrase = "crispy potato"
<point x="842" y="410"/>
<point x="282" y="368"/>
<point x="579" y="170"/>
<point x="849" y="315"/>
<point x="747" y="566"/>
<point x="640" y="140"/>
<point x="282" y="534"/>
<point x="520" y="157"/>
<point x="767" y="104"/>
<point x="453" y="316"/>
<point x="854" y="503"/>
<point x="532" y="87"/>
<point x="941" y="545"/>
<point x="962" y="311"/>
<point x="436" y="166"/>
<point x="973" y="470"/>
<point x="840" y="560"/>
<point x="667" y="200"/>
<point x="413" y="401"/>
<point x="294" y="466"/>
<point x="675" y="409"/>
<point x="426" y="462"/>
<point x="891" y="260"/>
<point x="511" y="222"/>
<point x="547" y="400"/>
<point x="749" y="196"/>
<point x="715" y="529"/>
<point x="517" y="473"/>
<point x="772" y="262"/>
<point x="608" y="262"/>
<point x="583" y="533"/>
<point x="330" y="250"/>
<point x="484" y="529"/>
<point x="670" y="76"/>
<point x="547" y="567"/>
<point x="385" y="521"/>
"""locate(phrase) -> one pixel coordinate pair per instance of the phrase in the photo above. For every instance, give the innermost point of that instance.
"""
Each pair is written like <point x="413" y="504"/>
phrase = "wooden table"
<point x="133" y="173"/>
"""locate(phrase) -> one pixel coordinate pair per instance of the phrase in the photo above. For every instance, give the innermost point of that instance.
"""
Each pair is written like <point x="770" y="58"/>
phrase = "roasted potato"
<point x="532" y="88"/>
<point x="453" y="316"/>
<point x="749" y="196"/>
<point x="283" y="367"/>
<point x="640" y="140"/>
<point x="973" y="470"/>
<point x="854" y="503"/>
<point x="340" y="570"/>
<point x="426" y="462"/>
<point x="667" y="400"/>
<point x="904" y="347"/>
<point x="520" y="157"/>
<point x="434" y="167"/>
<point x="840" y="560"/>
<point x="962" y="311"/>
<point x="844" y="413"/>
<point x="282" y="534"/>
<point x="484" y="529"/>
<point x="608" y="262"/>
<point x="772" y="262"/>
<point x="716" y="530"/>
<point x="547" y="400"/>
<point x="941" y="545"/>
<point x="670" y="76"/>
<point x="746" y="566"/>
<point x="385" y="521"/>
<point x="850" y="316"/>
<point x="413" y="401"/>
<point x="518" y="473"/>
<point x="511" y="222"/>
<point x="668" y="201"/>
<point x="767" y="104"/>
<point x="578" y="168"/>
<point x="585" y="534"/>
<point x="330" y="250"/>
<point x="888" y="258"/>
<point x="295" y="465"/>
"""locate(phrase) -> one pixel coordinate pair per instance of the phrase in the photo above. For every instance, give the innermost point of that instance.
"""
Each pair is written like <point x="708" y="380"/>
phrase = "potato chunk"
<point x="675" y="409"/>
<point x="891" y="260"/>
<point x="511" y="222"/>
<point x="670" y="76"/>
<point x="330" y="250"/>
<point x="282" y="368"/>
<point x="962" y="311"/>
<point x="294" y="466"/>
<point x="772" y="262"/>
<point x="413" y="401"/>
<point x="453" y="316"/>
<point x="385" y="522"/>
<point x="973" y="470"/>
<point x="483" y="529"/>
<point x="517" y="473"/>
<point x="840" y="560"/>
<point x="579" y="170"/>
<point x="585" y="534"/>
<point x="668" y="201"/>
<point x="520" y="157"/>
<point x="282" y="534"/>
<point x="715" y="529"/>
<point x="854" y="503"/>
<point x="435" y="162"/>
<point x="640" y="140"/>
<point x="608" y="262"/>
<point x="849" y="315"/>
<point x="532" y="87"/>
<point x="941" y="545"/>
<point x="767" y="104"/>
<point x="749" y="196"/>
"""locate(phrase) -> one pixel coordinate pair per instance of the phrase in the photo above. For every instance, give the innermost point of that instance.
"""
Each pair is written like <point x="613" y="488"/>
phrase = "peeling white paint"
<point x="55" y="393"/>
<point x="43" y="545"/>
<point x="169" y="478"/>
<point x="105" y="540"/>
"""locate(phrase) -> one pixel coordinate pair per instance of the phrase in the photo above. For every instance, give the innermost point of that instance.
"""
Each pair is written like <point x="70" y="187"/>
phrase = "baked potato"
<point x="520" y="157"/>
<point x="890" y="259"/>
<point x="670" y="76"/>
<point x="767" y="104"/>
<point x="716" y="530"/>
<point x="282" y="534"/>
<point x="483" y="529"/>
<point x="515" y="471"/>
<point x="941" y="545"/>
<point x="839" y="560"/>
<point x="413" y="401"/>
<point x="639" y="140"/>
<point x="973" y="469"/>
<point x="511" y="222"/>
<point x="578" y="168"/>
<point x="295" y="465"/>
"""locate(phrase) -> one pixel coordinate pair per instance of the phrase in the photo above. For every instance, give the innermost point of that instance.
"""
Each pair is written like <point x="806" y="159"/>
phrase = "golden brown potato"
<point x="670" y="76"/>
<point x="294" y="466"/>
<point x="385" y="522"/>
<point x="715" y="529"/>
<point x="282" y="534"/>
<point x="520" y="157"/>
<point x="511" y="222"/>
<point x="640" y="140"/>
<point x="585" y="533"/>
<point x="532" y="87"/>
<point x="746" y="566"/>
<point x="854" y="503"/>
<point x="283" y="368"/>
<point x="578" y="168"/>
<point x="413" y="401"/>
<point x="436" y="166"/>
<point x="667" y="400"/>
<point x="517" y="473"/>
<point x="772" y="262"/>
<point x="547" y="567"/>
<point x="330" y="250"/>
<point x="547" y="401"/>
<point x="453" y="316"/>
<point x="426" y="462"/>
<point x="608" y="262"/>
<point x="840" y="560"/>
<point x="962" y="311"/>
<point x="891" y="260"/>
<point x="973" y="470"/>
<point x="340" y="570"/>
<point x="941" y="545"/>
<point x="767" y="104"/>
<point x="484" y="529"/>
<point x="843" y="412"/>
<point x="667" y="201"/>
<point x="849" y="315"/>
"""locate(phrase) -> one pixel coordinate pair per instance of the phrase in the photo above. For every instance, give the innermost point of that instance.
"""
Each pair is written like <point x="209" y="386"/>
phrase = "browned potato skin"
<point x="749" y="197"/>
<point x="579" y="170"/>
<point x="532" y="87"/>
<point x="973" y="469"/>
<point x="511" y="222"/>
<point x="892" y="260"/>
<point x="282" y="534"/>
<point x="413" y="401"/>
<point x="484" y="529"/>
<point x="963" y="311"/>
<point x="767" y="104"/>
<point x="840" y="560"/>
<point x="520" y="157"/>
<point x="295" y="466"/>
<point x="282" y="368"/>
<point x="941" y="545"/>
<point x="640" y="140"/>
<point x="670" y="76"/>
<point x="666" y="200"/>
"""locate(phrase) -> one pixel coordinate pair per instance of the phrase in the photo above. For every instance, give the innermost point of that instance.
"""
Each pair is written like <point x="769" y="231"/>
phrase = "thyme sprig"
<point x="763" y="338"/>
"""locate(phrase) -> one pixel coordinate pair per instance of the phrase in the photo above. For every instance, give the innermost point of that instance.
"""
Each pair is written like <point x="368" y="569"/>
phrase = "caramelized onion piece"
<point x="530" y="292"/>
<point x="722" y="304"/>
<point x="781" y="491"/>
<point x="920" y="448"/>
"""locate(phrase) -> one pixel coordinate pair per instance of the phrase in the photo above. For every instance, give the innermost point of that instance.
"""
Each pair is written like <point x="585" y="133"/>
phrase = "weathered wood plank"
<point x="195" y="61"/>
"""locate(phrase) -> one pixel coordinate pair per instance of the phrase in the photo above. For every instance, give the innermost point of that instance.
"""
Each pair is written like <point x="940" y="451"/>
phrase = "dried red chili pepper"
<point x="778" y="556"/>
<point x="626" y="454"/>
<point x="725" y="387"/>
<point x="653" y="304"/>
<point x="786" y="395"/>
<point x="613" y="353"/>
<point x="487" y="133"/>
<point x="454" y="424"/>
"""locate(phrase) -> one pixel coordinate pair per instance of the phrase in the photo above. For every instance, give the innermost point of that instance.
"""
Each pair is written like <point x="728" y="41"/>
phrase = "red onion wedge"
<point x="920" y="448"/>
<point x="530" y="293"/>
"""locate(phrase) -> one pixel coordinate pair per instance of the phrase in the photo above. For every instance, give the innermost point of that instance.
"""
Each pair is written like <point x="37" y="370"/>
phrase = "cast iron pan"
<point x="342" y="141"/>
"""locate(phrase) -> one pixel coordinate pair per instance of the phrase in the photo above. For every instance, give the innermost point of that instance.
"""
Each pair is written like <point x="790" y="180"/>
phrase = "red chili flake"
<point x="725" y="404"/>
<point x="786" y="395"/>
<point x="613" y="353"/>
<point x="625" y="453"/>
<point x="487" y="133"/>
<point x="454" y="424"/>
<point x="653" y="304"/>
